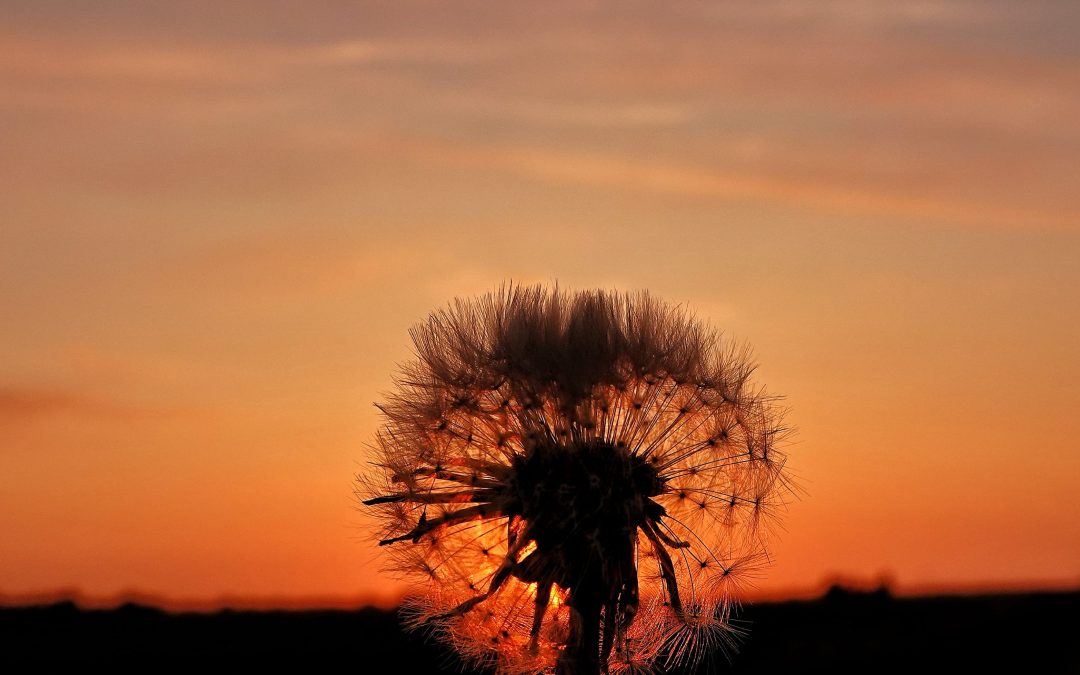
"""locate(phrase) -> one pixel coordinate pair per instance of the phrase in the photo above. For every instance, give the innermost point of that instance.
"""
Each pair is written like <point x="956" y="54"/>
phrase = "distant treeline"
<point x="843" y="631"/>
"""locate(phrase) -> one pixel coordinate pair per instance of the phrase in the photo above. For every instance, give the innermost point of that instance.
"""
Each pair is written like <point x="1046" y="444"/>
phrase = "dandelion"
<point x="580" y="481"/>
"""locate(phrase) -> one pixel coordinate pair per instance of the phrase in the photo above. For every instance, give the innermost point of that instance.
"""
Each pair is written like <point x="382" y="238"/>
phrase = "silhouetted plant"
<point x="581" y="480"/>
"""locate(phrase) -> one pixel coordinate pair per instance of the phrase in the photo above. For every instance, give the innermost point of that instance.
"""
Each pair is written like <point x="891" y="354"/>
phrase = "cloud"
<point x="179" y="62"/>
<point x="667" y="178"/>
<point x="299" y="263"/>
<point x="26" y="404"/>
<point x="441" y="51"/>
<point x="840" y="108"/>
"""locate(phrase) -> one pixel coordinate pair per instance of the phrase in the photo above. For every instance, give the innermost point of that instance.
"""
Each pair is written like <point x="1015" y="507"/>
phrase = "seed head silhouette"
<point x="580" y="481"/>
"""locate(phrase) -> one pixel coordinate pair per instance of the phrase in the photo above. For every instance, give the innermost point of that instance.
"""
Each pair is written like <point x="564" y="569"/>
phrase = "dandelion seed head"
<point x="576" y="482"/>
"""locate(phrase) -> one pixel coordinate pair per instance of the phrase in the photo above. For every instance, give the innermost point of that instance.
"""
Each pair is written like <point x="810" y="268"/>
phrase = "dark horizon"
<point x="844" y="630"/>
<point x="358" y="601"/>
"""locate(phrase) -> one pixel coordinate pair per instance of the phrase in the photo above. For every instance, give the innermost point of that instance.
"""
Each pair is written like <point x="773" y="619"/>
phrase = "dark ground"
<point x="842" y="632"/>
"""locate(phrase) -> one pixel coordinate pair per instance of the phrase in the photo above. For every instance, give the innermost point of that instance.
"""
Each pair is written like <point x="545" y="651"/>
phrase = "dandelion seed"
<point x="580" y="481"/>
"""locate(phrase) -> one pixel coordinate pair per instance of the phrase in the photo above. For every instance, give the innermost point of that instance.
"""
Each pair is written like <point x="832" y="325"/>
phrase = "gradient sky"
<point x="219" y="220"/>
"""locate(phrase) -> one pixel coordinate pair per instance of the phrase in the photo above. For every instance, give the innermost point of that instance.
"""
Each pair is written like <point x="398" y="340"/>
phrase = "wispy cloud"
<point x="28" y="404"/>
<point x="627" y="173"/>
<point x="179" y="62"/>
<point x="298" y="264"/>
<point x="845" y="108"/>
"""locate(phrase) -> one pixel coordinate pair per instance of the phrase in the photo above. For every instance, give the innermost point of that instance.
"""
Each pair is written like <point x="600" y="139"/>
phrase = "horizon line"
<point x="347" y="602"/>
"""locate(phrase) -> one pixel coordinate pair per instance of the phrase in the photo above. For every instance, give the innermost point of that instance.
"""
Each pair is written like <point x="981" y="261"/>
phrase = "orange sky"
<point x="220" y="222"/>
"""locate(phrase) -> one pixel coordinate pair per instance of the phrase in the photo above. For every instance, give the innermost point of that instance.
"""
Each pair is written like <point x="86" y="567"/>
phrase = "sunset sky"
<point x="219" y="220"/>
